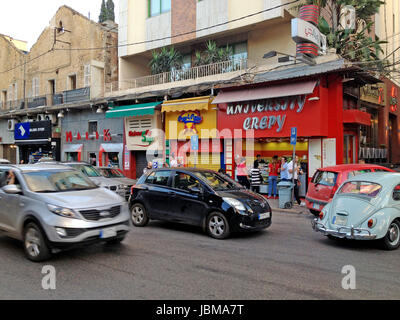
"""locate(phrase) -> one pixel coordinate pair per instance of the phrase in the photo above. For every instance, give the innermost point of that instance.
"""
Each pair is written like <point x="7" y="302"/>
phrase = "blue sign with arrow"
<point x="293" y="136"/>
<point x="22" y="131"/>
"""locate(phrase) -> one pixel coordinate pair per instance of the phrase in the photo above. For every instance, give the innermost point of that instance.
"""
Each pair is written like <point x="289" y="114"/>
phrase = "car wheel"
<point x="392" y="239"/>
<point x="35" y="245"/>
<point x="218" y="226"/>
<point x="116" y="240"/>
<point x="314" y="212"/>
<point x="139" y="215"/>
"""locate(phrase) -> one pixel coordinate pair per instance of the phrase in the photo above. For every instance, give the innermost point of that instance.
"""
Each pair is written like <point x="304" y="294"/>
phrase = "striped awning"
<point x="191" y="104"/>
<point x="136" y="110"/>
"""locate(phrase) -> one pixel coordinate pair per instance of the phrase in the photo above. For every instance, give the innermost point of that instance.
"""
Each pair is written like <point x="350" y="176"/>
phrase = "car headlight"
<point x="236" y="204"/>
<point x="64" y="212"/>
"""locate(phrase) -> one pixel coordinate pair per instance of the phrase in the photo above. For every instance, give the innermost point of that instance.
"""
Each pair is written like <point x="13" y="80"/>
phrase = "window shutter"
<point x="87" y="78"/>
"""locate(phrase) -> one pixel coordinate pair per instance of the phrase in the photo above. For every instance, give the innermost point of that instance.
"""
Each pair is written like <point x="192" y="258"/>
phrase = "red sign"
<point x="275" y="117"/>
<point x="106" y="136"/>
<point x="393" y="99"/>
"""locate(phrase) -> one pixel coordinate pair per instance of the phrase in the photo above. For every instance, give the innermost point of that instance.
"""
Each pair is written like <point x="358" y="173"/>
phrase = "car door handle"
<point x="22" y="204"/>
<point x="171" y="193"/>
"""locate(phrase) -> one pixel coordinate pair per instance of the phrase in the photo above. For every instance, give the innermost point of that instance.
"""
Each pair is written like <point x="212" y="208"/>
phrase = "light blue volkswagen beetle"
<point x="365" y="207"/>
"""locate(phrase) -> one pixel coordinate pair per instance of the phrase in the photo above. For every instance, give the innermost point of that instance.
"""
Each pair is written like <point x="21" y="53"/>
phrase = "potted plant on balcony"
<point x="165" y="60"/>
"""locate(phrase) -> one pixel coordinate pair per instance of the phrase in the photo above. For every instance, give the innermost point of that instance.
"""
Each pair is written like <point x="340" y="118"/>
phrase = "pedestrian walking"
<point x="242" y="173"/>
<point x="256" y="178"/>
<point x="148" y="168"/>
<point x="273" y="169"/>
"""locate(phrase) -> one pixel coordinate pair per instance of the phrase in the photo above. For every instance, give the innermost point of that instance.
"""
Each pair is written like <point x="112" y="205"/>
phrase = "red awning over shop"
<point x="355" y="116"/>
<point x="275" y="91"/>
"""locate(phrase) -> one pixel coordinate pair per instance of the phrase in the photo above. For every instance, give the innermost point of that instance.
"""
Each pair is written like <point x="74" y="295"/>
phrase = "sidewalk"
<point x="274" y="203"/>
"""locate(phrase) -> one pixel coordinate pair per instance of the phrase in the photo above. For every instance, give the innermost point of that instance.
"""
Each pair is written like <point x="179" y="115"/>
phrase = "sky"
<point x="26" y="19"/>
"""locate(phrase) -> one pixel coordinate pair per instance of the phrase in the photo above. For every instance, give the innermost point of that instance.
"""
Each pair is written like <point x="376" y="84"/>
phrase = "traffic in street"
<point x="175" y="261"/>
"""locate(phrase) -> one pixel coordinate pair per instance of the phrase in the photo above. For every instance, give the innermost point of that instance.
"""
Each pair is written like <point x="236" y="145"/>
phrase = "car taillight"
<point x="334" y="189"/>
<point x="370" y="223"/>
<point x="132" y="189"/>
<point x="321" y="215"/>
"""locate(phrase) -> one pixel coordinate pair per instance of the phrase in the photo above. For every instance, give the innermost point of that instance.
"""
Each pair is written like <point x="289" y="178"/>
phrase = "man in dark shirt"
<point x="258" y="161"/>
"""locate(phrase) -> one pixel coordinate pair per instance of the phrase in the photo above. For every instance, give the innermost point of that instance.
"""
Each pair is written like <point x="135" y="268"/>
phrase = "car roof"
<point x="32" y="167"/>
<point x="382" y="178"/>
<point x="351" y="167"/>
<point x="188" y="170"/>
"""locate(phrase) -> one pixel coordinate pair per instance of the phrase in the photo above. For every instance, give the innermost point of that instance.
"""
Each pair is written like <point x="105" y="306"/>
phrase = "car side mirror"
<point x="12" y="189"/>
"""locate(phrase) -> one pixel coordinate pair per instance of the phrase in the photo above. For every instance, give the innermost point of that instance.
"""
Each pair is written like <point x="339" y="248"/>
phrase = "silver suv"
<point x="54" y="207"/>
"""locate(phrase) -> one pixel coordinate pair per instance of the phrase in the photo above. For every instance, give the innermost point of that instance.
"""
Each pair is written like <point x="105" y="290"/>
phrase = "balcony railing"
<point x="48" y="100"/>
<point x="179" y="75"/>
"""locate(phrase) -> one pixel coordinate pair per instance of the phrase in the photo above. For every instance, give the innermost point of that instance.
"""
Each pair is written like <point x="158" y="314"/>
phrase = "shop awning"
<point x="112" y="147"/>
<point x="354" y="116"/>
<point x="191" y="104"/>
<point x="34" y="142"/>
<point x="72" y="147"/>
<point x="274" y="91"/>
<point x="136" y="110"/>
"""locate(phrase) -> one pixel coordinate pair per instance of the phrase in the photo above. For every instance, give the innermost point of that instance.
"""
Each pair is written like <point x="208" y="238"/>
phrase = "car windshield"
<point x="42" y="181"/>
<point x="87" y="170"/>
<point x="111" y="173"/>
<point x="325" y="178"/>
<point x="363" y="188"/>
<point x="218" y="182"/>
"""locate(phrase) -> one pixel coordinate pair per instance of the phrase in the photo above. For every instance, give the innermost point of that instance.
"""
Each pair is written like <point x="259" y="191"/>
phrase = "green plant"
<point x="165" y="60"/>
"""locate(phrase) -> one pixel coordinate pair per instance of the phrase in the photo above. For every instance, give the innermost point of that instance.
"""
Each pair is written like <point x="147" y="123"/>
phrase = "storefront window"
<point x="113" y="159"/>
<point x="72" y="156"/>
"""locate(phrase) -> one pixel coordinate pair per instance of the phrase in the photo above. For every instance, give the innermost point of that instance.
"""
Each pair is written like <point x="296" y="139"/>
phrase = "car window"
<point x="381" y="170"/>
<point x="396" y="193"/>
<point x="364" y="188"/>
<point x="357" y="172"/>
<point x="185" y="182"/>
<point x="8" y="177"/>
<point x="159" y="178"/>
<point x="325" y="178"/>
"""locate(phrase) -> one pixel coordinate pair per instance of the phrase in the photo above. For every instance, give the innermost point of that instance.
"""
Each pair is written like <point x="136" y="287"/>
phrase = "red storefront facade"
<point x="313" y="105"/>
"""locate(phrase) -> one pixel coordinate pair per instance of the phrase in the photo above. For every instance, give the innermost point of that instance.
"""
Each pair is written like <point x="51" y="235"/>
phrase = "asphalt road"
<point x="169" y="261"/>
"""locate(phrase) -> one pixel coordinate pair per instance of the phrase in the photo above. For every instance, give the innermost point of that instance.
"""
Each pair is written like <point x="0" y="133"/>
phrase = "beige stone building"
<point x="68" y="55"/>
<point x="66" y="69"/>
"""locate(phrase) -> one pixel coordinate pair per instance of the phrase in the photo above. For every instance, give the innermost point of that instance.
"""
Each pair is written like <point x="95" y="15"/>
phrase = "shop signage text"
<point x="190" y="119"/>
<point x="106" y="136"/>
<point x="271" y="105"/>
<point x="393" y="99"/>
<point x="32" y="130"/>
<point x="303" y="31"/>
<point x="146" y="136"/>
<point x="374" y="93"/>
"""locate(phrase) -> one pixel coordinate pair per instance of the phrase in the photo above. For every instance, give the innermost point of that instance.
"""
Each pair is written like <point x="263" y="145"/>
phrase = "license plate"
<point x="108" y="233"/>
<point x="339" y="220"/>
<point x="315" y="206"/>
<point x="264" y="216"/>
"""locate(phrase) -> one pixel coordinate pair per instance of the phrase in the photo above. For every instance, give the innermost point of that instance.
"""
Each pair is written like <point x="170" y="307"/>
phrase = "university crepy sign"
<point x="263" y="115"/>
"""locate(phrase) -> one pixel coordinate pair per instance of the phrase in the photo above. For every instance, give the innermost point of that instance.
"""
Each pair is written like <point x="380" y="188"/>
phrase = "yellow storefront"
<point x="185" y="118"/>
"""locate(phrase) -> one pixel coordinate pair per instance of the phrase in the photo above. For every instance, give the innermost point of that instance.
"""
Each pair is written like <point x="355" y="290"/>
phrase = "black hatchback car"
<point x="198" y="197"/>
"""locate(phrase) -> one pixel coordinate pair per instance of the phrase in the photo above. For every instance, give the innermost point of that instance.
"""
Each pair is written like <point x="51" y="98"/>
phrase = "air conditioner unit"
<point x="40" y="117"/>
<point x="348" y="18"/>
<point x="51" y="117"/>
<point x="11" y="124"/>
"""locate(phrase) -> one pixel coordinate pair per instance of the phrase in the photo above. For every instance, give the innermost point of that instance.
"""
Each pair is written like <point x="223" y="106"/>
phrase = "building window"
<point x="35" y="87"/>
<point x="72" y="82"/>
<point x="156" y="7"/>
<point x="186" y="62"/>
<point x="239" y="51"/>
<point x="92" y="127"/>
<point x="4" y="99"/>
<point x="87" y="76"/>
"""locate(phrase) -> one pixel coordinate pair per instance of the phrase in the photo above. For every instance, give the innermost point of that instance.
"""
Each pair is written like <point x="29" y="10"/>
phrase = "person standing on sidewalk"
<point x="283" y="169"/>
<point x="256" y="178"/>
<point x="242" y="173"/>
<point x="273" y="169"/>
<point x="294" y="170"/>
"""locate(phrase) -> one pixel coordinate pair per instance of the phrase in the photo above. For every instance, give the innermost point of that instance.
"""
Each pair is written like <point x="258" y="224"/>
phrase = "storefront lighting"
<point x="313" y="99"/>
<point x="60" y="114"/>
<point x="99" y="110"/>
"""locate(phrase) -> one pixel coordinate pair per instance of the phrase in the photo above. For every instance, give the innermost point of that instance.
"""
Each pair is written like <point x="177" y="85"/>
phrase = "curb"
<point x="287" y="211"/>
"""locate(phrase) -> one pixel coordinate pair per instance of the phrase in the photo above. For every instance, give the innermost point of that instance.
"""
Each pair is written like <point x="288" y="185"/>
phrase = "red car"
<point x="327" y="180"/>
